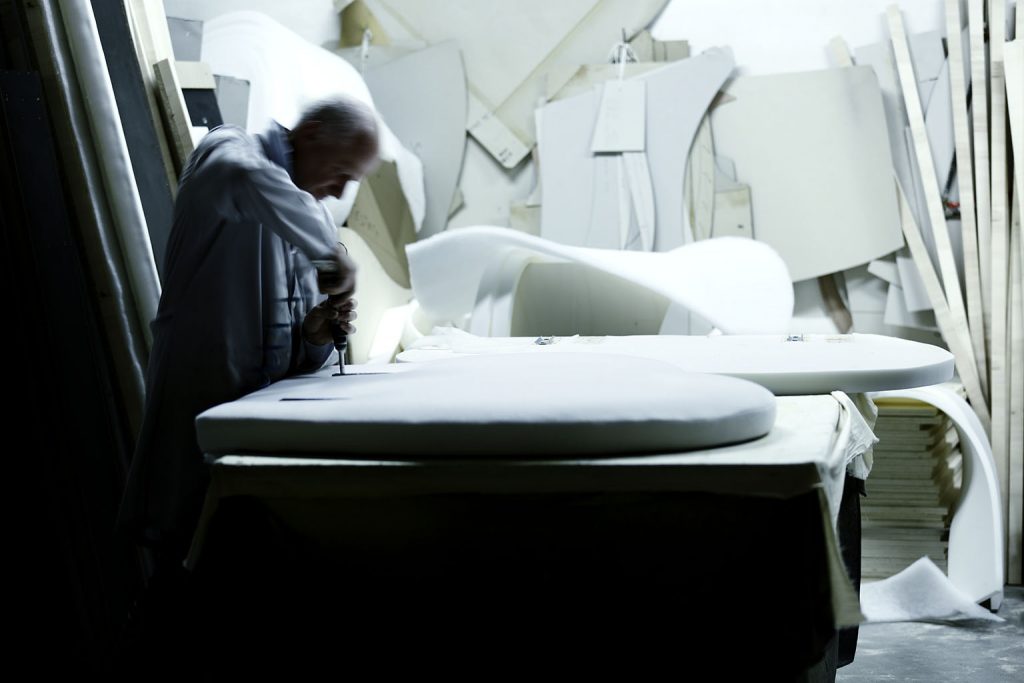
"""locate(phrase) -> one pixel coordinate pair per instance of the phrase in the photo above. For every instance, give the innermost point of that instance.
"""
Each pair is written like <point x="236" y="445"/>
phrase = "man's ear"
<point x="308" y="130"/>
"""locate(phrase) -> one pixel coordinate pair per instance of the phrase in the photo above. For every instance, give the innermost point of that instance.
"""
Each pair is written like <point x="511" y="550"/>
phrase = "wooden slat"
<point x="954" y="331"/>
<point x="999" y="378"/>
<point x="979" y="111"/>
<point x="1015" y="498"/>
<point x="172" y="102"/>
<point x="148" y="23"/>
<point x="965" y="181"/>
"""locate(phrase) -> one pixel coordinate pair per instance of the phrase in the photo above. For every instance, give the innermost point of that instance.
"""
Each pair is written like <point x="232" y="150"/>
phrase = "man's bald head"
<point x="335" y="141"/>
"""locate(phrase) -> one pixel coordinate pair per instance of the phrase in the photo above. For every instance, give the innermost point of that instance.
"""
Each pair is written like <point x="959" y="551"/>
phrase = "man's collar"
<point x="277" y="147"/>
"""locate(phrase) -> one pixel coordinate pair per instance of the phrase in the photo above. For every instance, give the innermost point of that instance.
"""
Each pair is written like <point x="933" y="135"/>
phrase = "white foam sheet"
<point x="808" y="144"/>
<point x="736" y="284"/>
<point x="921" y="592"/>
<point x="816" y="364"/>
<point x="580" y="188"/>
<point x="286" y="74"/>
<point x="522" y="405"/>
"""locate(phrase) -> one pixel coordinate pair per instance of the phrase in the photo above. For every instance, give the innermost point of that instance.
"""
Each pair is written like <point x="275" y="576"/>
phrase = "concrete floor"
<point x="976" y="651"/>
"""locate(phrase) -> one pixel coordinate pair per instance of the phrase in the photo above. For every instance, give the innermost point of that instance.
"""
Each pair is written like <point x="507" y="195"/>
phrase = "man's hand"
<point x="340" y="279"/>
<point x="316" y="328"/>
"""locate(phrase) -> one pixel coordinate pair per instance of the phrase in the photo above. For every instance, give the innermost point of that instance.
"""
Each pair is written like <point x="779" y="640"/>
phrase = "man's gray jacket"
<point x="238" y="282"/>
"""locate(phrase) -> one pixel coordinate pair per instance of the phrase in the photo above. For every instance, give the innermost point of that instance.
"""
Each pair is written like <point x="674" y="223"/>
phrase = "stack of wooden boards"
<point x="915" y="480"/>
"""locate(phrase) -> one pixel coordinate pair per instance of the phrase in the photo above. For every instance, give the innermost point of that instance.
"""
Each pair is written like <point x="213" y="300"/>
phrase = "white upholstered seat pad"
<point x="816" y="364"/>
<point x="521" y="405"/>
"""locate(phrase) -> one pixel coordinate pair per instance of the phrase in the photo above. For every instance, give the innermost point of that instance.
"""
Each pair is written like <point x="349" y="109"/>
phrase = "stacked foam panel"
<point x="914" y="482"/>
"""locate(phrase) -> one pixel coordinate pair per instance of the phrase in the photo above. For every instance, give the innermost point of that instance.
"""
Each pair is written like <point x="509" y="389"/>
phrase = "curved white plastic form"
<point x="975" y="562"/>
<point x="737" y="284"/>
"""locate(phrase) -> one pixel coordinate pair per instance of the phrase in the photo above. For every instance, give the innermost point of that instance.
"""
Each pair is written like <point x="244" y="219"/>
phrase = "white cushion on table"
<point x="511" y="405"/>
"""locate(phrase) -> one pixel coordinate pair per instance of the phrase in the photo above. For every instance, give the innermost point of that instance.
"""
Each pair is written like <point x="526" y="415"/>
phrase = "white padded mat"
<point x="523" y="405"/>
<point x="804" y="364"/>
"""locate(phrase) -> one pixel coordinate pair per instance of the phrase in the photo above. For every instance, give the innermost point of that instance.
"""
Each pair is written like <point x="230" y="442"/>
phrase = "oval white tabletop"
<point x="785" y="365"/>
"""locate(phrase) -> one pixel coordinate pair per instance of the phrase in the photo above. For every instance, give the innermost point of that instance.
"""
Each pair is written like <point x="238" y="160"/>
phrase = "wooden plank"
<point x="152" y="42"/>
<point x="965" y="181"/>
<point x="930" y="184"/>
<point x="999" y="378"/>
<point x="953" y="330"/>
<point x="172" y="102"/>
<point x="1015" y="499"/>
<point x="979" y="111"/>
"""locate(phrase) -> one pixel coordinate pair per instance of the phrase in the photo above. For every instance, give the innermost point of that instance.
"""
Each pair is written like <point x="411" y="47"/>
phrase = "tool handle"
<point x="340" y="343"/>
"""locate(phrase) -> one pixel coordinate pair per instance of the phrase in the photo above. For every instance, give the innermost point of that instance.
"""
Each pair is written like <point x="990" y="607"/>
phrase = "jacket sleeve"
<point x="308" y="357"/>
<point x="261" y="191"/>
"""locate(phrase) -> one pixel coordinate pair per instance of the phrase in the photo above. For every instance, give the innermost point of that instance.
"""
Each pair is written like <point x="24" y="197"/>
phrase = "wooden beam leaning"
<point x="930" y="184"/>
<point x="979" y="111"/>
<point x="965" y="182"/>
<point x="172" y="101"/>
<point x="953" y="330"/>
<point x="999" y="377"/>
<point x="1015" y="499"/>
<point x="152" y="44"/>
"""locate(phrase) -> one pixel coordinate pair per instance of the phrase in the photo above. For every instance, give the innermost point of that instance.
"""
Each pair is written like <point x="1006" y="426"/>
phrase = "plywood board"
<point x="999" y="365"/>
<point x="979" y="118"/>
<point x="152" y="44"/>
<point x="1015" y="497"/>
<point x="176" y="117"/>
<point x="965" y="184"/>
<point x="807" y="143"/>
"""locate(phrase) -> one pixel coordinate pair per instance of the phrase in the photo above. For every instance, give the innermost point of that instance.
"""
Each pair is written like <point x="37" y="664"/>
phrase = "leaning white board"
<point x="809" y="364"/>
<point x="523" y="406"/>
<point x="807" y="143"/>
